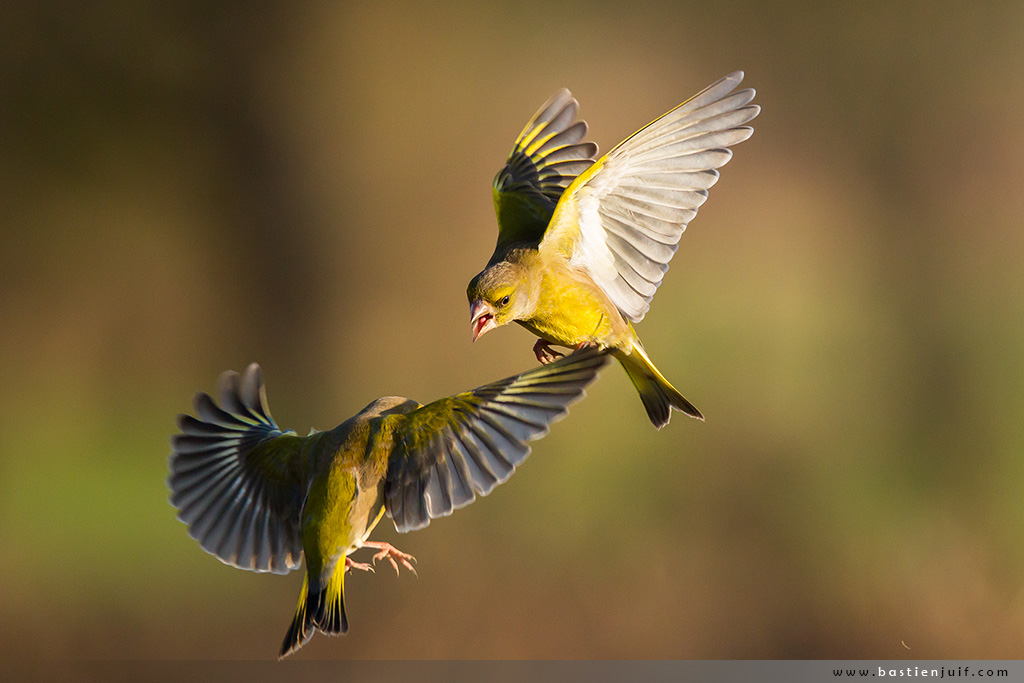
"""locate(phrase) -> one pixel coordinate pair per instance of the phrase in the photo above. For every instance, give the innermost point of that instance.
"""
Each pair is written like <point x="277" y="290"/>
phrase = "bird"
<point x="584" y="243"/>
<point x="263" y="499"/>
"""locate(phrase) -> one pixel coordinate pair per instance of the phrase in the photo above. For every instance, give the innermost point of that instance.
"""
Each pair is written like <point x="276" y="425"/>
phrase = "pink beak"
<point x="481" y="318"/>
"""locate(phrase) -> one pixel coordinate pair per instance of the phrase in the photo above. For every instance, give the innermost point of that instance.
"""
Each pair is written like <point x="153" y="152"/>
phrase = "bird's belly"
<point x="340" y="512"/>
<point x="373" y="515"/>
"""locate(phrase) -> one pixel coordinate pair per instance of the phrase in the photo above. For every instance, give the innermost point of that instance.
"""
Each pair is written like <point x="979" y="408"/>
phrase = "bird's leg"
<point x="545" y="354"/>
<point x="352" y="564"/>
<point x="391" y="552"/>
<point x="586" y="345"/>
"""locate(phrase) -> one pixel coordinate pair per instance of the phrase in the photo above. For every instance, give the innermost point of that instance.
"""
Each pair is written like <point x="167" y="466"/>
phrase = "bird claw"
<point x="544" y="353"/>
<point x="352" y="564"/>
<point x="391" y="553"/>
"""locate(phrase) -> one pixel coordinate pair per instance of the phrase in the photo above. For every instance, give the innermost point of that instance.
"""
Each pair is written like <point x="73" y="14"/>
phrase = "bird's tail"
<point x="321" y="607"/>
<point x="658" y="395"/>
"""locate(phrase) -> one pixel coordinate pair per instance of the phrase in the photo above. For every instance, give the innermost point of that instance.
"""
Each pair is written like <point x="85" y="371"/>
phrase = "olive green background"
<point x="186" y="189"/>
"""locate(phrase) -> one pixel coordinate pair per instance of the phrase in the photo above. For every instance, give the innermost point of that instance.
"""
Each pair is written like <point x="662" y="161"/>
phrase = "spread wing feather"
<point x="548" y="155"/>
<point x="450" y="450"/>
<point x="235" y="477"/>
<point x="621" y="220"/>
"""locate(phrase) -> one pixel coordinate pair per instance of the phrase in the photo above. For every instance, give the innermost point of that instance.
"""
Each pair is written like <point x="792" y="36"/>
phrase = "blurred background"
<point x="186" y="188"/>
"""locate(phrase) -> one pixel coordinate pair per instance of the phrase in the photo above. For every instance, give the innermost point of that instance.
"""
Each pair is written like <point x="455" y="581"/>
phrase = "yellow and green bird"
<point x="260" y="498"/>
<point x="583" y="244"/>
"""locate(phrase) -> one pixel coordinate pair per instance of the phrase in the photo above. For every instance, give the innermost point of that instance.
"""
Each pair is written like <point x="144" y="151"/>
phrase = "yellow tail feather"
<point x="658" y="395"/>
<point x="329" y="615"/>
<point x="301" y="629"/>
<point x="321" y="608"/>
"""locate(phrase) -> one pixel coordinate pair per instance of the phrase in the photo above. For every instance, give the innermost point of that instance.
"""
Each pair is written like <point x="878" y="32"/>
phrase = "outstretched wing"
<point x="236" y="477"/>
<point x="621" y="220"/>
<point x="547" y="157"/>
<point x="448" y="451"/>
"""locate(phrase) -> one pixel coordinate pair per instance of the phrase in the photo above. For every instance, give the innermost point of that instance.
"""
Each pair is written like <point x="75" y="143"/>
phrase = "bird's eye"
<point x="504" y="301"/>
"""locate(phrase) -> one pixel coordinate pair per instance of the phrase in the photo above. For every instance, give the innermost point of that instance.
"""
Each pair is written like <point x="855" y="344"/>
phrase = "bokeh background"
<point x="189" y="187"/>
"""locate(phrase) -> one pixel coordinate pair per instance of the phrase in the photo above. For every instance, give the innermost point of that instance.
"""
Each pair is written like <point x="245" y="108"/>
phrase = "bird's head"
<point x="495" y="297"/>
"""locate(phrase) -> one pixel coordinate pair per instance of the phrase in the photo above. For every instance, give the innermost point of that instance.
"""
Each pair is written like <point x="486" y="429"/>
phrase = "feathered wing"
<point x="621" y="220"/>
<point x="448" y="451"/>
<point x="547" y="157"/>
<point x="236" y="477"/>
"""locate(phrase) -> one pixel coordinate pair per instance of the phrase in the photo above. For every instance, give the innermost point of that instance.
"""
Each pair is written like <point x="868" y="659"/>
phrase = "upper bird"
<point x="583" y="244"/>
<point x="259" y="498"/>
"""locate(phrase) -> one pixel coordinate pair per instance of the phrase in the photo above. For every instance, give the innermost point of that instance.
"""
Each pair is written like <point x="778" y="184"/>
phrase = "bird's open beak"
<point x="481" y="318"/>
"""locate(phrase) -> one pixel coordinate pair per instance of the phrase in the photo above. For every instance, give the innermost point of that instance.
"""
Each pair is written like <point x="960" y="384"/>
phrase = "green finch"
<point x="583" y="244"/>
<point x="260" y="498"/>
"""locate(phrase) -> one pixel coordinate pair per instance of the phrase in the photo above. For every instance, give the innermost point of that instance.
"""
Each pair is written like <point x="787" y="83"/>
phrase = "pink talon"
<point x="352" y="564"/>
<point x="544" y="353"/>
<point x="391" y="552"/>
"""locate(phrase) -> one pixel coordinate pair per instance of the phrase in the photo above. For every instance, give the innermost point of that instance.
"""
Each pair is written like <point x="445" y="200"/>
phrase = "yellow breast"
<point x="571" y="310"/>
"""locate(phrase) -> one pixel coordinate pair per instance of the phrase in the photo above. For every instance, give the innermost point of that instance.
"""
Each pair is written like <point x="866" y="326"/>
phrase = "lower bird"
<point x="583" y="245"/>
<point x="260" y="498"/>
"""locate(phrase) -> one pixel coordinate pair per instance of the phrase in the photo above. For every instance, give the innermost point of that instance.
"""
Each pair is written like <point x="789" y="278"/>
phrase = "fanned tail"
<point x="658" y="395"/>
<point x="321" y="608"/>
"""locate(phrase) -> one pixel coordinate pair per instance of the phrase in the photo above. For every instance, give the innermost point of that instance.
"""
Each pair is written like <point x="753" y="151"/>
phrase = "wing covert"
<point x="448" y="451"/>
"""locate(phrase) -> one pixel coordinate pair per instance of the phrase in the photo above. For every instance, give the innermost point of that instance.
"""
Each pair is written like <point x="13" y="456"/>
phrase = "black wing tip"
<point x="242" y="395"/>
<point x="233" y="378"/>
<point x="183" y="419"/>
<point x="200" y="399"/>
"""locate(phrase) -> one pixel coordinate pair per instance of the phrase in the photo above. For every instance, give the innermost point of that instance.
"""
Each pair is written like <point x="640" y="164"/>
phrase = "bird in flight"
<point x="583" y="245"/>
<point x="262" y="498"/>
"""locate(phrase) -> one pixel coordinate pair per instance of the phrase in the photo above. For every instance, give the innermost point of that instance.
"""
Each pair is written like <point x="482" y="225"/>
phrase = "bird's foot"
<point x="352" y="564"/>
<point x="391" y="553"/>
<point x="545" y="354"/>
<point x="586" y="345"/>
